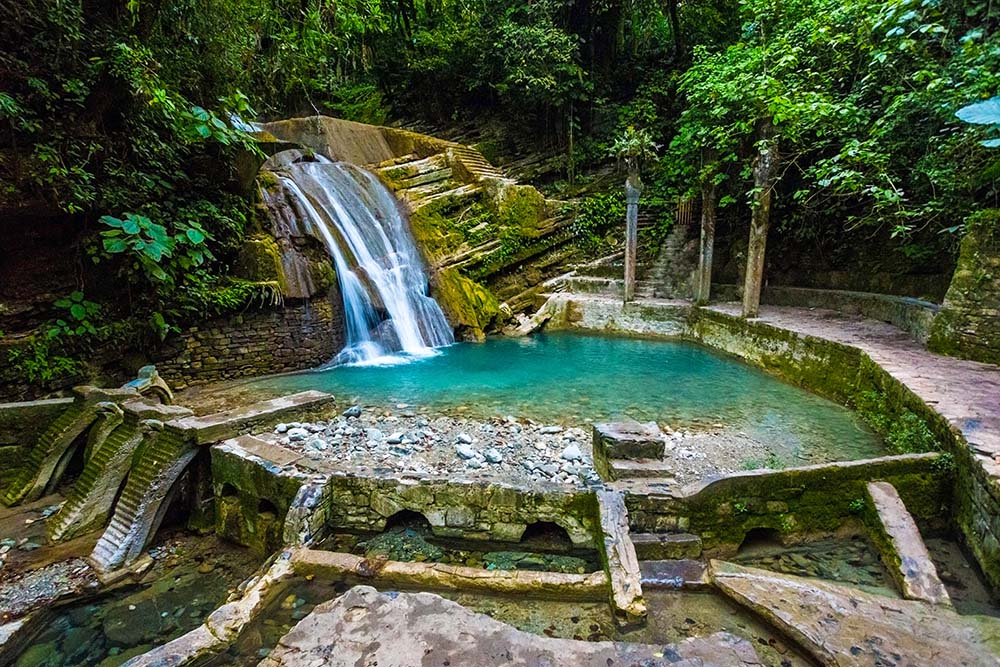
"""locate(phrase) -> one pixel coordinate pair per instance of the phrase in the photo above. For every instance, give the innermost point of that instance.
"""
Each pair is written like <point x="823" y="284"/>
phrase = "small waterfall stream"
<point x="382" y="279"/>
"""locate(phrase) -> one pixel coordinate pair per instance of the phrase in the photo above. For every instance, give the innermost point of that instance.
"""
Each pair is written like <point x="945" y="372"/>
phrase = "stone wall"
<point x="793" y="502"/>
<point x="969" y="323"/>
<point x="459" y="509"/>
<point x="301" y="334"/>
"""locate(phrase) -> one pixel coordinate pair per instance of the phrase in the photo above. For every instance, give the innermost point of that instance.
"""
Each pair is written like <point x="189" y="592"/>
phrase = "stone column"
<point x="633" y="188"/>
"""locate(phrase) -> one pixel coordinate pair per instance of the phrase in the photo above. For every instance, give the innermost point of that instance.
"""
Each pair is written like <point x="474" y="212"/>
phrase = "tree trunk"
<point x="675" y="27"/>
<point x="709" y="204"/>
<point x="764" y="168"/>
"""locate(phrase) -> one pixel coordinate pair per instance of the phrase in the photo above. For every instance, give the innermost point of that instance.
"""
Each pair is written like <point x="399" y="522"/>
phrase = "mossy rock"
<point x="259" y="260"/>
<point x="469" y="307"/>
<point x="520" y="207"/>
<point x="434" y="233"/>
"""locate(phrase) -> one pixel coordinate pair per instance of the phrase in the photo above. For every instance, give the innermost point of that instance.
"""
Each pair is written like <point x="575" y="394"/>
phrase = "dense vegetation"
<point x="125" y="115"/>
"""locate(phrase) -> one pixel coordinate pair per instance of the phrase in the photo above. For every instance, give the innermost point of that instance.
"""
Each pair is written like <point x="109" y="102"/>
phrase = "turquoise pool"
<point x="576" y="378"/>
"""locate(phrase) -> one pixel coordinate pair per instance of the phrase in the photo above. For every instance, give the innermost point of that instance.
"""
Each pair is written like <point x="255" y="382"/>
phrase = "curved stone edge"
<point x="225" y="625"/>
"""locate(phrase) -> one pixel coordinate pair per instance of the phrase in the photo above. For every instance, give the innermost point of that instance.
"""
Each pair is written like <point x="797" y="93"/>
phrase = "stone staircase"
<point x="157" y="464"/>
<point x="430" y="181"/>
<point x="54" y="443"/>
<point x="670" y="274"/>
<point x="107" y="467"/>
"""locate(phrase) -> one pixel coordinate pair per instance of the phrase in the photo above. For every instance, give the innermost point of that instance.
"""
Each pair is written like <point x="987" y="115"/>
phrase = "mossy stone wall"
<point x="458" y="509"/>
<point x="793" y="502"/>
<point x="968" y="325"/>
<point x="251" y="500"/>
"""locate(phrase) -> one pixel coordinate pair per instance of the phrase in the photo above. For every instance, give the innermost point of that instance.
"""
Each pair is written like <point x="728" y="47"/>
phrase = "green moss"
<point x="519" y="207"/>
<point x="435" y="233"/>
<point x="967" y="326"/>
<point x="259" y="260"/>
<point x="469" y="307"/>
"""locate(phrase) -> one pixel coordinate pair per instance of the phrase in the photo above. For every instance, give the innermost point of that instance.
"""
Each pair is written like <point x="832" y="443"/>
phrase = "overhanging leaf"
<point x="981" y="113"/>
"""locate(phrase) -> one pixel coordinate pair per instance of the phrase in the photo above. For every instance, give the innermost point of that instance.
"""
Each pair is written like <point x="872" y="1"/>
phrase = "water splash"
<point x="382" y="279"/>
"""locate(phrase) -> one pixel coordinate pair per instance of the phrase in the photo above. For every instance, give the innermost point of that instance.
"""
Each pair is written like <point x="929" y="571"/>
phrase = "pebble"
<point x="464" y="438"/>
<point x="550" y="430"/>
<point x="297" y="434"/>
<point x="319" y="444"/>
<point x="281" y="428"/>
<point x="465" y="451"/>
<point x="353" y="411"/>
<point x="572" y="453"/>
<point x="493" y="455"/>
<point x="395" y="438"/>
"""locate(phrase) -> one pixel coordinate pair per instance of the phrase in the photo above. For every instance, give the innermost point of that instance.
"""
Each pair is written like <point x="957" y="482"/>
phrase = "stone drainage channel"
<point x="660" y="547"/>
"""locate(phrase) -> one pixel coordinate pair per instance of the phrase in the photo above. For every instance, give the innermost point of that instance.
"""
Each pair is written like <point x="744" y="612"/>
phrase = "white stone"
<point x="572" y="453"/>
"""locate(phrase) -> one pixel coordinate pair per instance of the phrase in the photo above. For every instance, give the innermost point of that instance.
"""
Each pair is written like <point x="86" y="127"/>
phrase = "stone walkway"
<point x="966" y="393"/>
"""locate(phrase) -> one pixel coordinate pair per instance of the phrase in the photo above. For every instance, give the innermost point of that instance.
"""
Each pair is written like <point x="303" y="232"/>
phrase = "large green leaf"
<point x="114" y="245"/>
<point x="981" y="113"/>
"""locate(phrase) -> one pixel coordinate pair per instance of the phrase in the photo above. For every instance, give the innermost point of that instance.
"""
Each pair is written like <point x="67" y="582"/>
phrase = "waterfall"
<point x="382" y="280"/>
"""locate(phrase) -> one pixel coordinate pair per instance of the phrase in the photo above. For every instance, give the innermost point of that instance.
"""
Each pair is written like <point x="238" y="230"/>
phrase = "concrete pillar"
<point x="633" y="189"/>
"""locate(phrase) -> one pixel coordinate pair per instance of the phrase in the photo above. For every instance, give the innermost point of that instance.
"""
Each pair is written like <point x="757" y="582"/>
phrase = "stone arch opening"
<point x="266" y="509"/>
<point x="760" y="538"/>
<point x="546" y="536"/>
<point x="69" y="466"/>
<point x="408" y="519"/>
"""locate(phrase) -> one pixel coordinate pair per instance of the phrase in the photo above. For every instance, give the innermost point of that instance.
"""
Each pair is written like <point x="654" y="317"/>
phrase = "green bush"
<point x="597" y="216"/>
<point x="903" y="431"/>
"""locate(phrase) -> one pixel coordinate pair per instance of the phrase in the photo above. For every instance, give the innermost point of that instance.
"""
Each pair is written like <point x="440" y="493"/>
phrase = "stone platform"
<point x="365" y="627"/>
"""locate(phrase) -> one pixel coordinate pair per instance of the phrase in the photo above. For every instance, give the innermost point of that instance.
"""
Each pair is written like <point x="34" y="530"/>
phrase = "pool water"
<point x="574" y="378"/>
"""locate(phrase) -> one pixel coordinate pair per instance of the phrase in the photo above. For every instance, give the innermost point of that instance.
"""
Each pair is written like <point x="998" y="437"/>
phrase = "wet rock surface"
<point x="365" y="627"/>
<point x="23" y="593"/>
<point x="850" y="561"/>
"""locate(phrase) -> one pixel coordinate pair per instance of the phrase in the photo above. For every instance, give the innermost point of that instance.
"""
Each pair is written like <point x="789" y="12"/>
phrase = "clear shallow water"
<point x="575" y="378"/>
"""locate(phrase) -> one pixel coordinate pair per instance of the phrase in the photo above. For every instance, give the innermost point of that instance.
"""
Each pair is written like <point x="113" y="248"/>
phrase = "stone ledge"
<point x="666" y="546"/>
<point x="223" y="425"/>
<point x="903" y="549"/>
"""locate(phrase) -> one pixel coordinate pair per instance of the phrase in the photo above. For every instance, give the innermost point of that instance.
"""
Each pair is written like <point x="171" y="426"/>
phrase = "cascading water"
<point x="382" y="281"/>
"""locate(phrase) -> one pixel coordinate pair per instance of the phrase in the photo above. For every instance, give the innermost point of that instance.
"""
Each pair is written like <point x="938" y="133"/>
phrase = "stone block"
<point x="459" y="517"/>
<point x="629" y="440"/>
<point x="666" y="546"/>
<point x="507" y="532"/>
